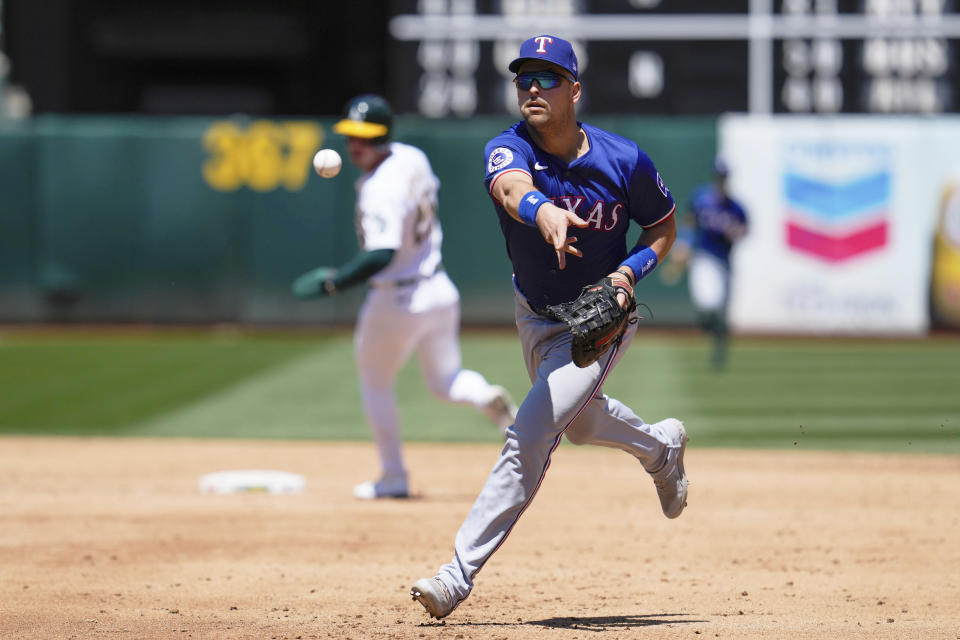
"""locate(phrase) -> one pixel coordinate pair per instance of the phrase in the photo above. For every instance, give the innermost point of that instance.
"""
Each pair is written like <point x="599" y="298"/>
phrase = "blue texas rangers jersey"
<point x="610" y="185"/>
<point x="714" y="215"/>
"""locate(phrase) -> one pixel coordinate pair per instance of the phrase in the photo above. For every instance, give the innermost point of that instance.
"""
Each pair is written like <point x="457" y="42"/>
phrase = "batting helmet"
<point x="367" y="116"/>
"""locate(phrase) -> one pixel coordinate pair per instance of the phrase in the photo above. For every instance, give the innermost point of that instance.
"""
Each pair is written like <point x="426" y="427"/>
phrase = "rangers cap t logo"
<point x="549" y="49"/>
<point x="541" y="42"/>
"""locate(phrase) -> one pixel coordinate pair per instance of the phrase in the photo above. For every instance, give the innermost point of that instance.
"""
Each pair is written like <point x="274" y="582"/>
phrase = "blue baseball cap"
<point x="548" y="48"/>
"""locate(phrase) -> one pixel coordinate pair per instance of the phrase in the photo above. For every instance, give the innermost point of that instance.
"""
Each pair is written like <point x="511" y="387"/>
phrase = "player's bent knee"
<point x="577" y="438"/>
<point x="579" y="433"/>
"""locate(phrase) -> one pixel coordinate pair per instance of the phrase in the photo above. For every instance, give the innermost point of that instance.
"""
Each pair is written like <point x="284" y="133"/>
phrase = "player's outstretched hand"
<point x="313" y="283"/>
<point x="553" y="223"/>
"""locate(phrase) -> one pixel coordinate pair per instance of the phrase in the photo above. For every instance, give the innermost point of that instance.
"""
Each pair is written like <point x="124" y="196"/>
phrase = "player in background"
<point x="718" y="222"/>
<point x="412" y="305"/>
<point x="565" y="194"/>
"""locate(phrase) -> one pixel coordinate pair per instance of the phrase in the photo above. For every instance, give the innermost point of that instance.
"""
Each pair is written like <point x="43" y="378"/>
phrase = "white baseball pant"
<point x="709" y="281"/>
<point x="564" y="399"/>
<point x="392" y="324"/>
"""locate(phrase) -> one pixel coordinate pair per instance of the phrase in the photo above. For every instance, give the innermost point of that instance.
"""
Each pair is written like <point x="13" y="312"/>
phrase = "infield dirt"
<point x="110" y="538"/>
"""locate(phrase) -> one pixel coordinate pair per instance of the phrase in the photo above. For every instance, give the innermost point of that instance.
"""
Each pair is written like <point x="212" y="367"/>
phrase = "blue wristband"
<point x="529" y="204"/>
<point x="641" y="261"/>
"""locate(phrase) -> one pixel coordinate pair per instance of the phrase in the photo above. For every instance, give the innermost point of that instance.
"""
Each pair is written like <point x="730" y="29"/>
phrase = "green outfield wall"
<point x="198" y="220"/>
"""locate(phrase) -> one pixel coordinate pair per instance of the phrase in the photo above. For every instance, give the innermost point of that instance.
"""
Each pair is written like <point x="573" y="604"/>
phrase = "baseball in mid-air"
<point x="327" y="163"/>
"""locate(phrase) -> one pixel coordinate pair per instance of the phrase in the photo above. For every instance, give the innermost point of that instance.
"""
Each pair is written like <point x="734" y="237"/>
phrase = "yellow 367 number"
<point x="264" y="156"/>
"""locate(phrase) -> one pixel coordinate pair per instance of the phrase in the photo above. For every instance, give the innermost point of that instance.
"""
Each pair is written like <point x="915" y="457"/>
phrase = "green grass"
<point x="896" y="395"/>
<point x="861" y="394"/>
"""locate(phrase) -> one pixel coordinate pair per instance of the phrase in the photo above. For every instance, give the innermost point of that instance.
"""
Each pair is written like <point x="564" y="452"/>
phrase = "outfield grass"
<point x="897" y="395"/>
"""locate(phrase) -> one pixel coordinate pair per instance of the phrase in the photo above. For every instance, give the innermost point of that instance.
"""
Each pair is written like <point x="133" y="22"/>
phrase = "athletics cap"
<point x="368" y="116"/>
<point x="549" y="48"/>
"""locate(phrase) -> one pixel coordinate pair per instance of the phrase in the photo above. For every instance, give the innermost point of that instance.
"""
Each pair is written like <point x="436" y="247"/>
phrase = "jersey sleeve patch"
<point x="663" y="188"/>
<point x="499" y="158"/>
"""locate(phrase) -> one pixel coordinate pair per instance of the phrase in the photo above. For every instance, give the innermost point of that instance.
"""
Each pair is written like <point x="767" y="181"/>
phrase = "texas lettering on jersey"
<point x="608" y="186"/>
<point x="600" y="215"/>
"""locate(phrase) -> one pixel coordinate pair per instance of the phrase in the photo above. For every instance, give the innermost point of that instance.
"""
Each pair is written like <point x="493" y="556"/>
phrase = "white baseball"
<point x="327" y="163"/>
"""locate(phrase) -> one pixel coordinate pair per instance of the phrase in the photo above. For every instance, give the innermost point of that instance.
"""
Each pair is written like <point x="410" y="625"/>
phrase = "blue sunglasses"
<point x="546" y="79"/>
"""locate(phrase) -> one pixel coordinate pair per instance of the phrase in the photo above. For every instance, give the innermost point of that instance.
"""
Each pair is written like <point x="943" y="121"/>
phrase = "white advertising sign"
<point x="842" y="215"/>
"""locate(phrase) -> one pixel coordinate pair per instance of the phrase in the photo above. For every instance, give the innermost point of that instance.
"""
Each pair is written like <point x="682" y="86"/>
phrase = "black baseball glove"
<point x="596" y="319"/>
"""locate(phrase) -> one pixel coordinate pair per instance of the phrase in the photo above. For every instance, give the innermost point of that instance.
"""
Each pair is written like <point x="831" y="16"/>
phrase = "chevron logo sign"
<point x="840" y="213"/>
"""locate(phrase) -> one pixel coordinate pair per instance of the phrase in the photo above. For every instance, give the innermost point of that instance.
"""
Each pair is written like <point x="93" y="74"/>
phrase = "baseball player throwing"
<point x="412" y="305"/>
<point x="565" y="194"/>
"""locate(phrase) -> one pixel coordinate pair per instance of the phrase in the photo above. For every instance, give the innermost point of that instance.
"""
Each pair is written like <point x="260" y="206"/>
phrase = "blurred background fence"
<point x="129" y="192"/>
<point x="198" y="220"/>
